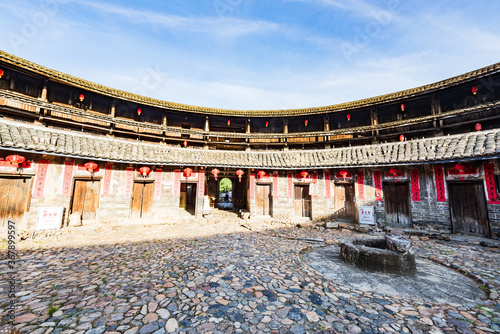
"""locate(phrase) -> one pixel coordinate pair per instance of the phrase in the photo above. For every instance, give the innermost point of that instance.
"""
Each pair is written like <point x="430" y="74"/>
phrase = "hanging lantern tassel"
<point x="306" y="122"/>
<point x="139" y="111"/>
<point x="1" y="73"/>
<point x="228" y="122"/>
<point x="267" y="124"/>
<point x="474" y="90"/>
<point x="348" y="117"/>
<point x="215" y="172"/>
<point x="403" y="107"/>
<point x="81" y="97"/>
<point x="240" y="173"/>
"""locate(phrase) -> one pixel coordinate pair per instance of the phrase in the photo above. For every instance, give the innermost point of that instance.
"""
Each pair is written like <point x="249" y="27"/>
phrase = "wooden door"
<point x="86" y="198"/>
<point x="191" y="196"/>
<point x="469" y="212"/>
<point x="263" y="199"/>
<point x="397" y="204"/>
<point x="142" y="200"/>
<point x="15" y="196"/>
<point x="345" y="208"/>
<point x="302" y="201"/>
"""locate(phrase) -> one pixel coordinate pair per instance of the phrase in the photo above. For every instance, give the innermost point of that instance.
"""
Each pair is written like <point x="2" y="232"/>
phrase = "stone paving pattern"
<point x="224" y="278"/>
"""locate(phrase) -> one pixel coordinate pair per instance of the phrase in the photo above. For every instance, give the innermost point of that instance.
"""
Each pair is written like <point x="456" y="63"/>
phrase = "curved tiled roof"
<point x="101" y="89"/>
<point x="38" y="139"/>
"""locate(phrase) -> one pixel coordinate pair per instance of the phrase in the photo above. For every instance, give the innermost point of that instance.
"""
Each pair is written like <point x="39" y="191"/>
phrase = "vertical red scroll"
<point x="377" y="183"/>
<point x="107" y="180"/>
<point x="290" y="185"/>
<point x="489" y="176"/>
<point x="68" y="176"/>
<point x="328" y="189"/>
<point x="361" y="184"/>
<point x="275" y="185"/>
<point x="176" y="190"/>
<point x="158" y="176"/>
<point x="315" y="181"/>
<point x="439" y="176"/>
<point x="41" y="175"/>
<point x="415" y="185"/>
<point x="129" y="181"/>
<point x="201" y="183"/>
<point x="252" y="186"/>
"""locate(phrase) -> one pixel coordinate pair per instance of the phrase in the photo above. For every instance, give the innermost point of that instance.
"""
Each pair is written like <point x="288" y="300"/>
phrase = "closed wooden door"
<point x="345" y="208"/>
<point x="86" y="198"/>
<point x="302" y="201"/>
<point x="15" y="195"/>
<point x="397" y="204"/>
<point x="469" y="212"/>
<point x="142" y="199"/>
<point x="263" y="200"/>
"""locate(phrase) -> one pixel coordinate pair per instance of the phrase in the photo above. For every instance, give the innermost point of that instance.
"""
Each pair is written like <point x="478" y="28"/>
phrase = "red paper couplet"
<point x="107" y="180"/>
<point x="328" y="189"/>
<point x="290" y="185"/>
<point x="377" y="183"/>
<point x="177" y="183"/>
<point x="68" y="176"/>
<point x="201" y="183"/>
<point x="129" y="181"/>
<point x="252" y="186"/>
<point x="41" y="174"/>
<point x="361" y="184"/>
<point x="489" y="176"/>
<point x="315" y="181"/>
<point x="275" y="185"/>
<point x="158" y="176"/>
<point x="415" y="185"/>
<point x="440" y="190"/>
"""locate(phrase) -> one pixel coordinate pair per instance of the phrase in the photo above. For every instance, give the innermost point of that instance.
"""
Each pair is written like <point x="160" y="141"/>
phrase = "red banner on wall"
<point x="201" y="183"/>
<point x="176" y="190"/>
<point x="107" y="180"/>
<point x="315" y="181"/>
<point x="377" y="184"/>
<point x="290" y="186"/>
<point x="129" y="181"/>
<point x="41" y="175"/>
<point x="361" y="184"/>
<point x="275" y="185"/>
<point x="489" y="177"/>
<point x="328" y="188"/>
<point x="158" y="176"/>
<point x="68" y="177"/>
<point x="252" y="186"/>
<point x="440" y="190"/>
<point x="415" y="185"/>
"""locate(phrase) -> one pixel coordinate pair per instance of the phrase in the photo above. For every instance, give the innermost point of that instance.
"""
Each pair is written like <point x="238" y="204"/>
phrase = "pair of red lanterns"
<point x="215" y="172"/>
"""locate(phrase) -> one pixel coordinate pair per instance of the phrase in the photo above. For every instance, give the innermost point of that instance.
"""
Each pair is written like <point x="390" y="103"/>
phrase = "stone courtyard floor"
<point x="188" y="277"/>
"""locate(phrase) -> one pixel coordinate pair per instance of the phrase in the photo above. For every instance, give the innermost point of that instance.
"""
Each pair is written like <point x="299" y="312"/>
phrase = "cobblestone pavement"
<point x="224" y="278"/>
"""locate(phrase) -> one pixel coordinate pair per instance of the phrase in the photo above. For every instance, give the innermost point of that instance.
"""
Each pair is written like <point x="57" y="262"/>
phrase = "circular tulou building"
<point x="423" y="157"/>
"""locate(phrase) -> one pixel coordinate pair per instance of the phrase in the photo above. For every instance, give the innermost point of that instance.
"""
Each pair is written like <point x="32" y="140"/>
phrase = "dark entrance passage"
<point x="302" y="201"/>
<point x="188" y="197"/>
<point x="469" y="213"/>
<point x="397" y="204"/>
<point x="345" y="208"/>
<point x="142" y="200"/>
<point x="263" y="200"/>
<point x="15" y="197"/>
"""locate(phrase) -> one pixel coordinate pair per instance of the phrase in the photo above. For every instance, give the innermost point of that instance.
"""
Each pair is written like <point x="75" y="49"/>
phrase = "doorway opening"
<point x="142" y="199"/>
<point x="345" y="206"/>
<point x="263" y="200"/>
<point x="397" y="204"/>
<point x="302" y="201"/>
<point x="85" y="198"/>
<point x="188" y="197"/>
<point x="15" y="199"/>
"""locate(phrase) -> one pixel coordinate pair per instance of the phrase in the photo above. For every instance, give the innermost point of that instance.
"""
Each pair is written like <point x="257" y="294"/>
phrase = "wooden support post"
<point x="374" y="120"/>
<point x="326" y="128"/>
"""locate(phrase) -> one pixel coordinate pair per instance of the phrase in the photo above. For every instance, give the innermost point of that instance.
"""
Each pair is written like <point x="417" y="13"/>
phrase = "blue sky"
<point x="255" y="54"/>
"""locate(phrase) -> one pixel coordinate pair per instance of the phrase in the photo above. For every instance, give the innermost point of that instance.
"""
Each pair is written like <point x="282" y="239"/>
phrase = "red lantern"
<point x="344" y="173"/>
<point x="185" y="143"/>
<point x="478" y="127"/>
<point x="91" y="166"/>
<point x="215" y="172"/>
<point x="403" y="107"/>
<point x="474" y="90"/>
<point x="1" y="73"/>
<point x="261" y="173"/>
<point x="306" y="122"/>
<point x="304" y="174"/>
<point x="267" y="124"/>
<point x="144" y="171"/>
<point x="139" y="111"/>
<point x="228" y="122"/>
<point x="348" y="117"/>
<point x="401" y="138"/>
<point x="81" y="97"/>
<point x="15" y="159"/>
<point x="240" y="173"/>
<point x="187" y="172"/>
